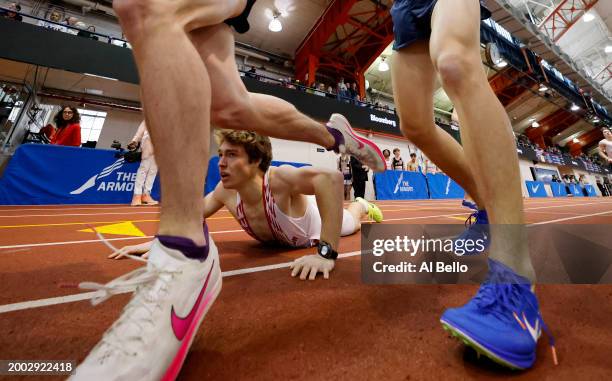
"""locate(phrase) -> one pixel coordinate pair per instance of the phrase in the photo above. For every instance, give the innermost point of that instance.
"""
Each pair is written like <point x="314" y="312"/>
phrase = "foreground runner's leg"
<point x="235" y="108"/>
<point x="151" y="338"/>
<point x="503" y="320"/>
<point x="414" y="104"/>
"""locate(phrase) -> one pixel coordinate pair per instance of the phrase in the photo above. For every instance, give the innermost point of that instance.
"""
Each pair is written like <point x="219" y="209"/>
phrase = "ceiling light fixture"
<point x="383" y="65"/>
<point x="502" y="63"/>
<point x="608" y="49"/>
<point x="575" y="107"/>
<point x="576" y="140"/>
<point x="275" y="24"/>
<point x="588" y="17"/>
<point x="543" y="88"/>
<point x="535" y="124"/>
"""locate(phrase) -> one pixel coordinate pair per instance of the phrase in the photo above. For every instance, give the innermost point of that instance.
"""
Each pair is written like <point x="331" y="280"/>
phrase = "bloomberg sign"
<point x="383" y="120"/>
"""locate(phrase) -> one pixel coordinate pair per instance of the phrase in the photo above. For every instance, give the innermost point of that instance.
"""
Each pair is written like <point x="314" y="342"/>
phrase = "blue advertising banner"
<point x="46" y="174"/>
<point x="576" y="190"/>
<point x="590" y="190"/>
<point x="558" y="189"/>
<point x="536" y="189"/>
<point x="441" y="186"/>
<point x="401" y="185"/>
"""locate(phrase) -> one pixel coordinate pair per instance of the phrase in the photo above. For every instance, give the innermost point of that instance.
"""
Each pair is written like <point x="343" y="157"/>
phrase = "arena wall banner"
<point x="536" y="189"/>
<point x="576" y="190"/>
<point x="441" y="187"/>
<point x="401" y="185"/>
<point x="558" y="189"/>
<point x="46" y="174"/>
<point x="590" y="190"/>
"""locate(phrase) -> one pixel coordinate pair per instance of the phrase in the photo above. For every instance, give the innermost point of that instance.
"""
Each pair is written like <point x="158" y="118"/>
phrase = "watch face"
<point x="324" y="250"/>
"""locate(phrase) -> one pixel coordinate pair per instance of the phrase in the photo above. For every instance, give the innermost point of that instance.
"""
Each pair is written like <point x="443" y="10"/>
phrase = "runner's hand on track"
<point x="312" y="264"/>
<point x="142" y="248"/>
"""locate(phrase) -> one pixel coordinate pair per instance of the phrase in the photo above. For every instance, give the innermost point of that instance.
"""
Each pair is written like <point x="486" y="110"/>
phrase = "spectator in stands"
<point x="567" y="181"/>
<point x="86" y="31"/>
<point x="602" y="187"/>
<point x="341" y="88"/>
<point x="252" y="73"/>
<point x="353" y="93"/>
<point x="74" y="24"/>
<point x="397" y="164"/>
<point x="68" y="128"/>
<point x="387" y="155"/>
<point x="344" y="166"/>
<point x="607" y="185"/>
<point x="605" y="147"/>
<point x="413" y="164"/>
<point x="430" y="167"/>
<point x="54" y="23"/>
<point x="320" y="91"/>
<point x="14" y="7"/>
<point x="360" y="176"/>
<point x="147" y="171"/>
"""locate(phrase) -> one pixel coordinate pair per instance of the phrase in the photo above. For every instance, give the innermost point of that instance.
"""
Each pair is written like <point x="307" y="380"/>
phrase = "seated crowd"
<point x="559" y="155"/>
<point x="58" y="19"/>
<point x="347" y="92"/>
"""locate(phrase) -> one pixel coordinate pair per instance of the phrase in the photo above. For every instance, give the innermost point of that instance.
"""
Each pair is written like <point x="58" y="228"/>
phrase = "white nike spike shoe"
<point x="347" y="141"/>
<point x="151" y="338"/>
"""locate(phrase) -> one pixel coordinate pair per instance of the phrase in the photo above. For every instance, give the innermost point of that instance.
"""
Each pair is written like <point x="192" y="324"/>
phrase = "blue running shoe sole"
<point x="480" y="350"/>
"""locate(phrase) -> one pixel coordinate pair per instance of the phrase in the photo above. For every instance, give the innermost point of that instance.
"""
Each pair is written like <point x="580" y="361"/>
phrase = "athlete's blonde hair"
<point x="257" y="147"/>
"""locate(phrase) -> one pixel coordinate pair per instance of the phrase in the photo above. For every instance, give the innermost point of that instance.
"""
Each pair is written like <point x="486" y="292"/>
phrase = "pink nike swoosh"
<point x="180" y="325"/>
<point x="349" y="129"/>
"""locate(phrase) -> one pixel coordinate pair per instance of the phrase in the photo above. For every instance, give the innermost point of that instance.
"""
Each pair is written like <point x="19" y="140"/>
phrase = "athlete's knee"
<point x="456" y="70"/>
<point x="234" y="112"/>
<point x="337" y="179"/>
<point x="417" y="132"/>
<point x="139" y="10"/>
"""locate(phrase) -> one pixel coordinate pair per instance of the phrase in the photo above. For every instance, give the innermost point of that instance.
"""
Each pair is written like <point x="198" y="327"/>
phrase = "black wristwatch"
<point x="325" y="250"/>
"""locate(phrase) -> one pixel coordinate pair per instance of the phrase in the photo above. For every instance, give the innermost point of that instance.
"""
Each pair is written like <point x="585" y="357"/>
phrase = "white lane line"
<point x="88" y="295"/>
<point x="553" y="213"/>
<point x="97" y="240"/>
<point x="424" y="217"/>
<point x="48" y="302"/>
<point x="570" y="218"/>
<point x="275" y="266"/>
<point x="568" y="205"/>
<point x="83" y="296"/>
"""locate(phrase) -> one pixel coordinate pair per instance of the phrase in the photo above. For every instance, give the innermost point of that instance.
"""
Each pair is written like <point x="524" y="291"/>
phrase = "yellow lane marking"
<point x="123" y="228"/>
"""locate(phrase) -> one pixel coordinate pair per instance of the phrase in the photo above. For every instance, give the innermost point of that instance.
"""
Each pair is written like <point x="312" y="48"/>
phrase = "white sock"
<point x="365" y="204"/>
